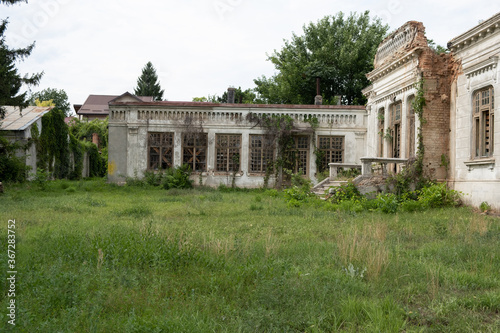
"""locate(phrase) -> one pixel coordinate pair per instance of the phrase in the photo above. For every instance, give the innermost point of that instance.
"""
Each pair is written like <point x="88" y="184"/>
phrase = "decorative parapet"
<point x="399" y="40"/>
<point x="327" y="117"/>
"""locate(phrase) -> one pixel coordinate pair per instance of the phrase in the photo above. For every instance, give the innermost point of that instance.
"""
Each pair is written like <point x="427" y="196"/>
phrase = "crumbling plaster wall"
<point x="403" y="59"/>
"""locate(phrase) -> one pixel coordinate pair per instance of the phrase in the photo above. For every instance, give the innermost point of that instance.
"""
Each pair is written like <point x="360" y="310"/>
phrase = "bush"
<point x="40" y="179"/>
<point x="153" y="178"/>
<point x="411" y="206"/>
<point x="12" y="167"/>
<point x="387" y="203"/>
<point x="484" y="206"/>
<point x="345" y="192"/>
<point x="438" y="195"/>
<point x="177" y="178"/>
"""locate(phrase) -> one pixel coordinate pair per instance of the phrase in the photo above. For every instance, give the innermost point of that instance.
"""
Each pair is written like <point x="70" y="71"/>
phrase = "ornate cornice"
<point x="387" y="69"/>
<point x="394" y="95"/>
<point x="490" y="64"/>
<point x="476" y="34"/>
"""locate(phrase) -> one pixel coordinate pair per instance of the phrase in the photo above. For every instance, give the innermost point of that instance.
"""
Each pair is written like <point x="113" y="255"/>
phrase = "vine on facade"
<point x="280" y="129"/>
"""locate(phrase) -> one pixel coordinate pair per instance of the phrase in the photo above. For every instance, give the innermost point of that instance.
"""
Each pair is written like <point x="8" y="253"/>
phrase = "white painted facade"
<point x="478" y="52"/>
<point x="130" y="122"/>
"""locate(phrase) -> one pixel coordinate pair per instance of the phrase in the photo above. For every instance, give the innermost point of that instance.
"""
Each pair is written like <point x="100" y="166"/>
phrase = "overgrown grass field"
<point x="93" y="257"/>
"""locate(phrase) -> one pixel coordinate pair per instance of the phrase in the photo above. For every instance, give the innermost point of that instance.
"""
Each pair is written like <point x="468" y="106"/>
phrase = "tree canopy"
<point x="247" y="96"/>
<point x="147" y="83"/>
<point x="59" y="99"/>
<point x="10" y="79"/>
<point x="337" y="49"/>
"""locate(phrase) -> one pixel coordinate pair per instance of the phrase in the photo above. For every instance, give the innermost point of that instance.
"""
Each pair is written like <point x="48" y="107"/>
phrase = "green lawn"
<point x="93" y="257"/>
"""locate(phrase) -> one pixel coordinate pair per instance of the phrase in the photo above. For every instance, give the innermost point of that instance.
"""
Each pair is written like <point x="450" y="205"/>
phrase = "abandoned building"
<point x="474" y="159"/>
<point x="17" y="127"/>
<point x="459" y="89"/>
<point x="457" y="129"/>
<point x="220" y="141"/>
<point x="96" y="106"/>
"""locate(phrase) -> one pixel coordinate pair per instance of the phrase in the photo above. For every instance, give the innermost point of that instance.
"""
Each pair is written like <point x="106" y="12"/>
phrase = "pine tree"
<point x="10" y="80"/>
<point x="147" y="84"/>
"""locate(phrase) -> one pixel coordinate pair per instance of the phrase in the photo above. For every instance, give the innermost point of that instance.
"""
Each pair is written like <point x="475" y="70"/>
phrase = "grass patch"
<point x="102" y="258"/>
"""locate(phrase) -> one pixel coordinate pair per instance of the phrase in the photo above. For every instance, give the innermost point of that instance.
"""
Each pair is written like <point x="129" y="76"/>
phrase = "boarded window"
<point x="261" y="153"/>
<point x="483" y="120"/>
<point x="331" y="150"/>
<point x="228" y="152"/>
<point x="194" y="151"/>
<point x="160" y="147"/>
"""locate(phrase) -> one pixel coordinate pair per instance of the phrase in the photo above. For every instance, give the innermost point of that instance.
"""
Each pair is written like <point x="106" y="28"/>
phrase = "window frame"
<point x="165" y="142"/>
<point x="196" y="147"/>
<point x="327" y="158"/>
<point x="267" y="148"/>
<point x="395" y="128"/>
<point x="296" y="148"/>
<point x="227" y="150"/>
<point x="483" y="119"/>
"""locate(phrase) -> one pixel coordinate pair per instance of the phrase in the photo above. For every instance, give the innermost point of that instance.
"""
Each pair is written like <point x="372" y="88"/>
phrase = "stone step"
<point x="321" y="190"/>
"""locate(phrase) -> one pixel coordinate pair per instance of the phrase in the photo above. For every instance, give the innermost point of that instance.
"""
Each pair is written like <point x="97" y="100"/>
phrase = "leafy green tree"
<point x="337" y="49"/>
<point x="247" y="96"/>
<point x="147" y="83"/>
<point x="10" y="79"/>
<point x="241" y="96"/>
<point x="58" y="97"/>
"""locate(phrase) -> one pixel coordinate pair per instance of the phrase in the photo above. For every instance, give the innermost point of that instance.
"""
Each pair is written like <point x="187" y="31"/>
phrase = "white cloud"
<point x="198" y="47"/>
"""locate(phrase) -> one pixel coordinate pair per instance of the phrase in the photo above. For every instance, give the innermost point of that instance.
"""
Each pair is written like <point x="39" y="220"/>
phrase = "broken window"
<point x="331" y="150"/>
<point x="395" y="130"/>
<point x="411" y="128"/>
<point x="298" y="155"/>
<point x="228" y="147"/>
<point x="261" y="153"/>
<point x="194" y="151"/>
<point x="160" y="146"/>
<point x="381" y="125"/>
<point x="483" y="120"/>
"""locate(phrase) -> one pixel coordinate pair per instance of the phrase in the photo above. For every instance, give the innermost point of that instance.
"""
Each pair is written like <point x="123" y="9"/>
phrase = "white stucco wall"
<point x="477" y="51"/>
<point x="130" y="124"/>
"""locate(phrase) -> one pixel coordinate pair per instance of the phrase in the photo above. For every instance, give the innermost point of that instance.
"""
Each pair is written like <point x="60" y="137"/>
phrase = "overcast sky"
<point x="198" y="47"/>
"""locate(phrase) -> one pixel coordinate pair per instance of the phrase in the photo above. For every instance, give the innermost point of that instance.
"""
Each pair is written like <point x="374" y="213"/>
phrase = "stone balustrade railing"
<point x="334" y="167"/>
<point x="324" y="116"/>
<point x="366" y="170"/>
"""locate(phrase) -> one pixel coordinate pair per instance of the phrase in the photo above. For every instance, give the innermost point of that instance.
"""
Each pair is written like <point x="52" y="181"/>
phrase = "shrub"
<point x="484" y="206"/>
<point x="411" y="206"/>
<point x="40" y="179"/>
<point x="12" y="167"/>
<point x="438" y="195"/>
<point x="345" y="192"/>
<point x="387" y="203"/>
<point x="153" y="178"/>
<point x="177" y="177"/>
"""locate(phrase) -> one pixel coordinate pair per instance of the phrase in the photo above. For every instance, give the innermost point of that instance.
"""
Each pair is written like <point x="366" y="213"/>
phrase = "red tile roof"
<point x="98" y="104"/>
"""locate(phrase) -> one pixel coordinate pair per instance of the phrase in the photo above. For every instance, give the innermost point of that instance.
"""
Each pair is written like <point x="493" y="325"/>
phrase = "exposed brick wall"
<point x="436" y="72"/>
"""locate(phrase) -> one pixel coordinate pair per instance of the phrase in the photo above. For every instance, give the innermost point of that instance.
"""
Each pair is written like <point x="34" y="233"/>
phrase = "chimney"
<point x="318" y="100"/>
<point x="230" y="95"/>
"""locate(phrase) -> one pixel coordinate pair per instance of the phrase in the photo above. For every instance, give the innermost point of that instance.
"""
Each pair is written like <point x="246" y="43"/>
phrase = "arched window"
<point x="483" y="120"/>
